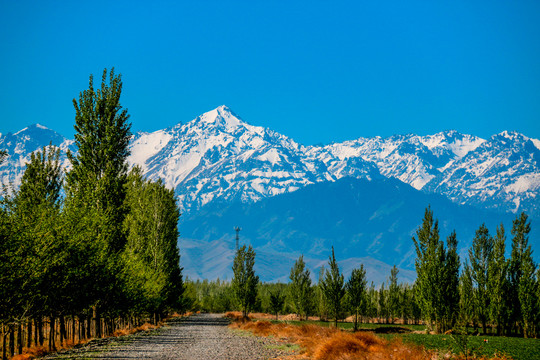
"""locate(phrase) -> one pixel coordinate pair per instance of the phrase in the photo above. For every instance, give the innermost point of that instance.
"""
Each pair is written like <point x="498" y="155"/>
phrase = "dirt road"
<point x="201" y="336"/>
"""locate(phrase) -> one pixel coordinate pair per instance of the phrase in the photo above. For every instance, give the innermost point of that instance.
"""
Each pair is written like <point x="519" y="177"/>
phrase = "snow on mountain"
<point x="220" y="157"/>
<point x="502" y="173"/>
<point x="20" y="145"/>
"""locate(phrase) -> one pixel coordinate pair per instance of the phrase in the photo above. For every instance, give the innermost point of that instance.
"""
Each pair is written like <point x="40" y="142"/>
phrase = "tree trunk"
<point x="97" y="322"/>
<point x="63" y="336"/>
<point x="11" y="341"/>
<point x="52" y="334"/>
<point x="29" y="334"/>
<point x="40" y="330"/>
<point x="88" y="326"/>
<point x="4" y="343"/>
<point x="19" y="339"/>
<point x="73" y="329"/>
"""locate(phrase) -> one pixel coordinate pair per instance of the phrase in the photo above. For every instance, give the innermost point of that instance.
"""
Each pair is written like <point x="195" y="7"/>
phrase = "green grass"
<point x="348" y="325"/>
<point x="516" y="348"/>
<point x="285" y="347"/>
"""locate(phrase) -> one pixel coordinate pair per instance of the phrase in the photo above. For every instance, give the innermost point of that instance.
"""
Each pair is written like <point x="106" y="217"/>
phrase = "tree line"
<point x="85" y="252"/>
<point x="488" y="292"/>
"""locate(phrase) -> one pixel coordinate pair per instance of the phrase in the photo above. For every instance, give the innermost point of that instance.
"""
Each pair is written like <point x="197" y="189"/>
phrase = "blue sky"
<point x="317" y="71"/>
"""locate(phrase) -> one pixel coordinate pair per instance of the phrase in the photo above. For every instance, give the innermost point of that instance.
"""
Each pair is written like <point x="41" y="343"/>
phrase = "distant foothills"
<point x="366" y="197"/>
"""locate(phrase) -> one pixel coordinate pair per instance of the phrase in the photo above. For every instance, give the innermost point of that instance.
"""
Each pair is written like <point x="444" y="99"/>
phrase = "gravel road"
<point x="201" y="336"/>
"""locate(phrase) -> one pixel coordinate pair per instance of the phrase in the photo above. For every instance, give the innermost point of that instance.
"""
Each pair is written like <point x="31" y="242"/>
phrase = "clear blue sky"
<point x="317" y="71"/>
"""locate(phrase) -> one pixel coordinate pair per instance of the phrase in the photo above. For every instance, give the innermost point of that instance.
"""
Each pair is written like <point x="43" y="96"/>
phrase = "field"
<point x="487" y="346"/>
<point x="516" y="348"/>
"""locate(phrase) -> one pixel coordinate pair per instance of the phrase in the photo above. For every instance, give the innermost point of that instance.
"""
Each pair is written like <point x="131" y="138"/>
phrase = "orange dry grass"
<point x="332" y="344"/>
<point x="35" y="352"/>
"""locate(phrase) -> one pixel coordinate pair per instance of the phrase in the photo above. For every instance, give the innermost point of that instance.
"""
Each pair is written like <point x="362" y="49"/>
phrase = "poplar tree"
<point x="498" y="283"/>
<point x="277" y="300"/>
<point x="480" y="255"/>
<point x="523" y="276"/>
<point x="300" y="290"/>
<point x="437" y="274"/>
<point x="244" y="282"/>
<point x="96" y="191"/>
<point x="451" y="283"/>
<point x="393" y="294"/>
<point x="357" y="291"/>
<point x="43" y="259"/>
<point x="151" y="256"/>
<point x="467" y="309"/>
<point x="521" y="255"/>
<point x="428" y="249"/>
<point x="333" y="287"/>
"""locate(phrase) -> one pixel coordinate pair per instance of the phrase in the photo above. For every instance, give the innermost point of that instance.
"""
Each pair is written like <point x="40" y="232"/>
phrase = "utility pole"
<point x="237" y="229"/>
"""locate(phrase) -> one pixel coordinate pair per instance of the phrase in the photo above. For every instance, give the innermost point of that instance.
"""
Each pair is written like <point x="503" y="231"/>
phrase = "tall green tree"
<point x="99" y="168"/>
<point x="244" y="282"/>
<point x="43" y="259"/>
<point x="300" y="290"/>
<point x="357" y="291"/>
<point x="277" y="301"/>
<point x="451" y="282"/>
<point x="467" y="312"/>
<point x="151" y="255"/>
<point x="96" y="191"/>
<point x="436" y="273"/>
<point x="480" y="255"/>
<point x="498" y="283"/>
<point x="393" y="294"/>
<point x="333" y="287"/>
<point x="520" y="256"/>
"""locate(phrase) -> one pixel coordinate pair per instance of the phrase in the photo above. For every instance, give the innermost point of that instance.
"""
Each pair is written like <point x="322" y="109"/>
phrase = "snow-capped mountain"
<point x="502" y="173"/>
<point x="20" y="146"/>
<point x="293" y="199"/>
<point x="220" y="157"/>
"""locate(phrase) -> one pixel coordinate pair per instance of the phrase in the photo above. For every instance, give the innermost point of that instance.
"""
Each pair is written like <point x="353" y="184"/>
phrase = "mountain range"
<point x="364" y="196"/>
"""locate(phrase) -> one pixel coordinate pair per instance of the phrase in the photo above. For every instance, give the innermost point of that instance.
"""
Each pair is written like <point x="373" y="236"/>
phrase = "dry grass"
<point x="39" y="351"/>
<point x="326" y="343"/>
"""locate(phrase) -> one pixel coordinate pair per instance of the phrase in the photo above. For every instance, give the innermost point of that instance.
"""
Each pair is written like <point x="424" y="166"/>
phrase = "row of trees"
<point x="491" y="289"/>
<point x="497" y="294"/>
<point x="96" y="246"/>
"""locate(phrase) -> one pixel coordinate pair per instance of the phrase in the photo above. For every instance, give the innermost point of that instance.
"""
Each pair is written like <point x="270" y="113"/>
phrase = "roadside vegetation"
<point x="87" y="253"/>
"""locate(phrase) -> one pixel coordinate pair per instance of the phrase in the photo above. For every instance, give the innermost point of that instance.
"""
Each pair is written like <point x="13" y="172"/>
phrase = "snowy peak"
<point x="453" y="141"/>
<point x="222" y="118"/>
<point x="220" y="157"/>
<point x="20" y="146"/>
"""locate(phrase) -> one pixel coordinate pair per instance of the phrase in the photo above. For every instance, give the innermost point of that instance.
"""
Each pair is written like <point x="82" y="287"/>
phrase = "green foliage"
<point x="480" y="256"/>
<point x="487" y="346"/>
<point x="522" y="277"/>
<point x="333" y="287"/>
<point x="467" y="312"/>
<point x="300" y="290"/>
<point x="393" y="294"/>
<point x="498" y="284"/>
<point x="151" y="257"/>
<point x="436" y="269"/>
<point x="357" y="293"/>
<point x="277" y="301"/>
<point x="244" y="282"/>
<point x="98" y="176"/>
